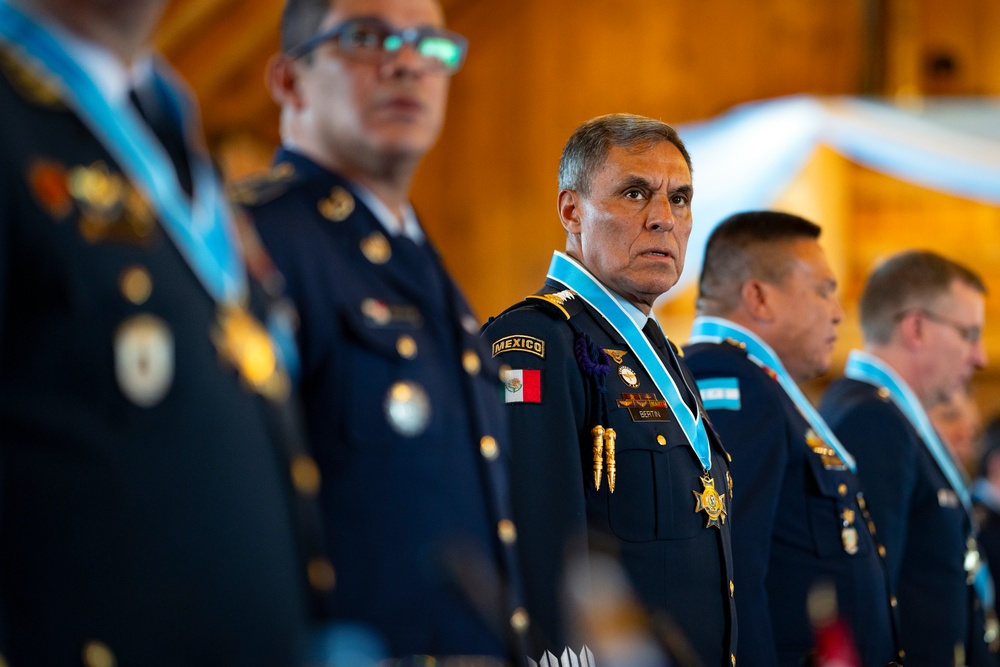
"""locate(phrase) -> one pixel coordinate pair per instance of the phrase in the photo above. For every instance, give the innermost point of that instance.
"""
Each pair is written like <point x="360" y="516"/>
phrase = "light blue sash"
<point x="574" y="276"/>
<point x="202" y="229"/>
<point x="716" y="330"/>
<point x="867" y="368"/>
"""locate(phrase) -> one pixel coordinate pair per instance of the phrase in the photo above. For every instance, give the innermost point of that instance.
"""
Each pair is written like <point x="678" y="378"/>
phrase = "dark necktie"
<point x="422" y="270"/>
<point x="167" y="130"/>
<point x="659" y="341"/>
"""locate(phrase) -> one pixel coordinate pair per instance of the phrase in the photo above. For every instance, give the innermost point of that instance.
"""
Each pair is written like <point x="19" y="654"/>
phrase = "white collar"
<point x="411" y="227"/>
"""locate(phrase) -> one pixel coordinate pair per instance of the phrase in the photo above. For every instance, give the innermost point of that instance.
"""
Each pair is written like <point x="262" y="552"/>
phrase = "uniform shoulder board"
<point x="264" y="188"/>
<point x="30" y="79"/>
<point x="562" y="305"/>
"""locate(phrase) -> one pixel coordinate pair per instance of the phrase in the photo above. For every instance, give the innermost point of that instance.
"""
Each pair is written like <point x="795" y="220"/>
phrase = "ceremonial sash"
<point x="568" y="272"/>
<point x="201" y="228"/>
<point x="716" y="330"/>
<point x="867" y="368"/>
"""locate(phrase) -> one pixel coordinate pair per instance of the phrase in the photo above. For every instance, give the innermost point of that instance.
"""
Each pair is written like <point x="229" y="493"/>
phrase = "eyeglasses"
<point x="371" y="39"/>
<point x="971" y="334"/>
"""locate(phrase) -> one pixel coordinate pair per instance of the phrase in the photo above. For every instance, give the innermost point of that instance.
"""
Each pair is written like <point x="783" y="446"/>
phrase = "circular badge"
<point x="407" y="408"/>
<point x="628" y="376"/>
<point x="144" y="359"/>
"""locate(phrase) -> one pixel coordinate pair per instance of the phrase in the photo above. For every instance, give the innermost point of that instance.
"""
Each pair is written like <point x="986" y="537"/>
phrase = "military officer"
<point x="401" y="403"/>
<point x="609" y="445"/>
<point x="147" y="456"/>
<point x="767" y="319"/>
<point x="921" y="318"/>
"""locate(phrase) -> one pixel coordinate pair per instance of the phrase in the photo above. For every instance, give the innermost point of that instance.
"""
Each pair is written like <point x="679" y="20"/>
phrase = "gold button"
<point x="407" y="347"/>
<point x="507" y="532"/>
<point x="97" y="654"/>
<point x="321" y="574"/>
<point x="136" y="284"/>
<point x="661" y="441"/>
<point x="902" y="654"/>
<point x="470" y="362"/>
<point x="861" y="501"/>
<point x="305" y="475"/>
<point x="732" y="588"/>
<point x="488" y="448"/>
<point x="883" y="393"/>
<point x="732" y="657"/>
<point x="881" y="551"/>
<point x="892" y="601"/>
<point x="729" y="457"/>
<point x="376" y="249"/>
<point x="842" y="489"/>
<point x="519" y="620"/>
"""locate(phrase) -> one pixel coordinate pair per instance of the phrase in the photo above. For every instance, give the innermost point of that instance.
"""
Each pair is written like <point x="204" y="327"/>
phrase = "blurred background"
<point x="538" y="68"/>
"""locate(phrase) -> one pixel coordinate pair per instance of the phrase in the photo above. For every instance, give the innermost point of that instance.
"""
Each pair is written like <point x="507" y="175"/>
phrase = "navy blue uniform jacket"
<point x="157" y="534"/>
<point x="417" y="523"/>
<point x="789" y="523"/>
<point x="921" y="523"/>
<point x="676" y="564"/>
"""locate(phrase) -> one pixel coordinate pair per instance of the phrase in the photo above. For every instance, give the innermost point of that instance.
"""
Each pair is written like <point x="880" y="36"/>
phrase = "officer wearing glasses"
<point x="922" y="319"/>
<point x="401" y="403"/>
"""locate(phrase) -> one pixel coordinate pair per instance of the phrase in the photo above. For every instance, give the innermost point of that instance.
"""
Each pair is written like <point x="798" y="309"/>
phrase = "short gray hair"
<point x="588" y="147"/>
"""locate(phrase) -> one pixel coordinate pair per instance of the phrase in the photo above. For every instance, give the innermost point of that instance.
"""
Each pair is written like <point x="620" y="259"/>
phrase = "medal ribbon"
<point x="867" y="368"/>
<point x="574" y="276"/>
<point x="202" y="228"/>
<point x="716" y="330"/>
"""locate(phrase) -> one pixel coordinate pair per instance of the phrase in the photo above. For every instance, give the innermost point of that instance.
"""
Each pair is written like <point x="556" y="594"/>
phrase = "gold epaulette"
<point x="564" y="301"/>
<point x="30" y="79"/>
<point x="263" y="188"/>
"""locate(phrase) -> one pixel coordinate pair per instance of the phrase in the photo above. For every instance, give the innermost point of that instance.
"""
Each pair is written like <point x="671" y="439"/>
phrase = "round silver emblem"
<point x="407" y="408"/>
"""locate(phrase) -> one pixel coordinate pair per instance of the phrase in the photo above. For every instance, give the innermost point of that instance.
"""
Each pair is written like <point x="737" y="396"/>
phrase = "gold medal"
<point x="849" y="534"/>
<point x="244" y="342"/>
<point x="711" y="503"/>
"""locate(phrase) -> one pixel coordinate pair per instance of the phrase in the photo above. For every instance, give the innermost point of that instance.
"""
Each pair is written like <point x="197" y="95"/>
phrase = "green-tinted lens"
<point x="441" y="48"/>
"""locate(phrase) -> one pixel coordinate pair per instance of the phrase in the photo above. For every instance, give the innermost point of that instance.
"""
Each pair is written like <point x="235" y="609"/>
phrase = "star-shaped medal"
<point x="711" y="503"/>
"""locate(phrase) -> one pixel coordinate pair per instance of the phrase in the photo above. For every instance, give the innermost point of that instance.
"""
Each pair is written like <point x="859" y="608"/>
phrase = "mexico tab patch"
<point x="522" y="386"/>
<point x="720" y="393"/>
<point x="520" y="343"/>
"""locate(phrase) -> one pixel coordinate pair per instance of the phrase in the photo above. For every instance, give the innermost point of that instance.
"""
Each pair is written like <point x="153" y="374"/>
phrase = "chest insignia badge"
<point x="628" y="376"/>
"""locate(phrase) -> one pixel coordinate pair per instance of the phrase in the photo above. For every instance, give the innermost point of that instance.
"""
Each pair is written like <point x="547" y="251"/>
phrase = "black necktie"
<point x="659" y="341"/>
<point x="167" y="130"/>
<point x="422" y="270"/>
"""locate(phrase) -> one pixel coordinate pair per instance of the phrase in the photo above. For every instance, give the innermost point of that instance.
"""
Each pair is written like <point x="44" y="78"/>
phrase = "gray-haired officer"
<point x="609" y="443"/>
<point x="400" y="400"/>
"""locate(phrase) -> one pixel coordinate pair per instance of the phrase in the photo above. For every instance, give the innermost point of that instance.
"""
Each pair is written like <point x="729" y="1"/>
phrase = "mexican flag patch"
<point x="522" y="386"/>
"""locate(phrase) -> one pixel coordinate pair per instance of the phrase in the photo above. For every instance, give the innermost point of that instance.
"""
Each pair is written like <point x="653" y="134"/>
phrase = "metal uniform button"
<point x="136" y="284"/>
<point x="732" y="588"/>
<point x="407" y="347"/>
<point x="376" y="249"/>
<point x="305" y="475"/>
<point x="881" y="551"/>
<point x="470" y="362"/>
<point x="883" y="393"/>
<point x="842" y="489"/>
<point x="519" y="620"/>
<point x="661" y="441"/>
<point x="893" y="601"/>
<point x="98" y="654"/>
<point x="507" y="532"/>
<point x="321" y="574"/>
<point x="488" y="448"/>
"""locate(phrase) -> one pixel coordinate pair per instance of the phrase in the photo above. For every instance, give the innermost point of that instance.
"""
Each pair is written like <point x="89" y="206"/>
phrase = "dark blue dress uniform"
<point x="148" y="515"/>
<point x="404" y="419"/>
<point x="676" y="565"/>
<point x="798" y="522"/>
<point x="921" y="523"/>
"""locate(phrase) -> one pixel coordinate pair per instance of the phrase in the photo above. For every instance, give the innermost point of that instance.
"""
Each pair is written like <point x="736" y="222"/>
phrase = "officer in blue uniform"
<point x="921" y="318"/>
<point x="767" y="319"/>
<point x="400" y="400"/>
<point x="149" y="515"/>
<point x="610" y="450"/>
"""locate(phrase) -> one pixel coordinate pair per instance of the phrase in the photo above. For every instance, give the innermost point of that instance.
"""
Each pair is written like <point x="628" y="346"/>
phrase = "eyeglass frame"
<point x="411" y="36"/>
<point x="971" y="334"/>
